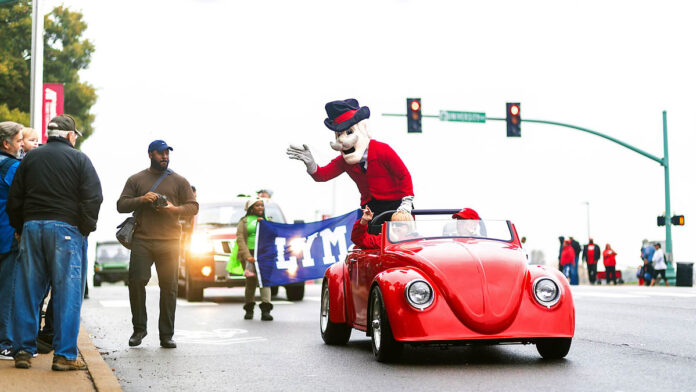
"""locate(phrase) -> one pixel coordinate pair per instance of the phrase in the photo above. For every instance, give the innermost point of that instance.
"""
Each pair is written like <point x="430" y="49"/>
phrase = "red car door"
<point x="362" y="270"/>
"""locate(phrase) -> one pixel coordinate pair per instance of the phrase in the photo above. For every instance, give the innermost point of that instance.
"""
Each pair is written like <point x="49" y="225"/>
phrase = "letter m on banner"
<point x="290" y="253"/>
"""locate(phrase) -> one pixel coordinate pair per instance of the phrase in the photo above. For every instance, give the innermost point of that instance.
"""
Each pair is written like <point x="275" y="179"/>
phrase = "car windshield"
<point x="112" y="253"/>
<point x="229" y="214"/>
<point x="448" y="228"/>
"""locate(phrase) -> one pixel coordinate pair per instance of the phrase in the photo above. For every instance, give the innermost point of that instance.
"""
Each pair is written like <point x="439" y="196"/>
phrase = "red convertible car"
<point x="445" y="282"/>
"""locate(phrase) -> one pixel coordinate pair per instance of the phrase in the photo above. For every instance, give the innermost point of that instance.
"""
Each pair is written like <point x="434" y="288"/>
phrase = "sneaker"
<point x="7" y="354"/>
<point x="22" y="360"/>
<point x="60" y="363"/>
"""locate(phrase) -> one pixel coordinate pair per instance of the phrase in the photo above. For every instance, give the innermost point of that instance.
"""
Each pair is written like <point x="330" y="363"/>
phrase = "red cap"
<point x="466" y="213"/>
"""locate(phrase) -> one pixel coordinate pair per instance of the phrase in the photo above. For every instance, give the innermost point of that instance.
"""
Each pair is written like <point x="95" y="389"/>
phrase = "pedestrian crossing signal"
<point x="678" y="220"/>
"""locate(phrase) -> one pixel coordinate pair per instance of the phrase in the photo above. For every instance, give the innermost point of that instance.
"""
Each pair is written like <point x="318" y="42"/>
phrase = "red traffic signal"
<point x="512" y="117"/>
<point x="413" y="115"/>
<point x="678" y="220"/>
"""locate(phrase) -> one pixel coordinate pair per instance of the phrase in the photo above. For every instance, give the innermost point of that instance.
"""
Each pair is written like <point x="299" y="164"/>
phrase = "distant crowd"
<point x="569" y="254"/>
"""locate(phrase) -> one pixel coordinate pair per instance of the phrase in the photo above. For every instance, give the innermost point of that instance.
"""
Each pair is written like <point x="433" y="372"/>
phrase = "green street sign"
<point x="4" y="2"/>
<point x="448" y="115"/>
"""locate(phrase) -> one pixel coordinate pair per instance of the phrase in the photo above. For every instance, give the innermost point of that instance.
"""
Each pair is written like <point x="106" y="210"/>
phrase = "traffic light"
<point x="660" y="220"/>
<point x="678" y="220"/>
<point x="512" y="117"/>
<point x="413" y="115"/>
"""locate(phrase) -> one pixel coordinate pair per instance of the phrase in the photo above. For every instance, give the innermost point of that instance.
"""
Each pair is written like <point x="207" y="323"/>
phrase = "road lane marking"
<point x="607" y="295"/>
<point x="183" y="302"/>
<point x="115" y="303"/>
<point x="666" y="294"/>
<point x="217" y="337"/>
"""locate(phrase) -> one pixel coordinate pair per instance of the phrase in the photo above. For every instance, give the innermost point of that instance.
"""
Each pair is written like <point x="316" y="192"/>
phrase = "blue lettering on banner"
<point x="291" y="253"/>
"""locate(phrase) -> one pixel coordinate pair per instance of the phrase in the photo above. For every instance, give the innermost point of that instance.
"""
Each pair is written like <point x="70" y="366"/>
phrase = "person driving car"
<point x="467" y="222"/>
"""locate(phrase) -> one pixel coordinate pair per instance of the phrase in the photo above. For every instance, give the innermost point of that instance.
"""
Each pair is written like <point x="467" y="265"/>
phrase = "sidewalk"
<point x="97" y="377"/>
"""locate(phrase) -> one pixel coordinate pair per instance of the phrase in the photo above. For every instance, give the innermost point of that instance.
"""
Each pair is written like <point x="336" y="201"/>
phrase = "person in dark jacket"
<point x="10" y="148"/>
<point x="574" y="269"/>
<point x="590" y="255"/>
<point x="53" y="205"/>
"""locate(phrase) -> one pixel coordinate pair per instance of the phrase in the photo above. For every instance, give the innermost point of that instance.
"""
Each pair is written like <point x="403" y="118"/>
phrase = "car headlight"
<point x="419" y="294"/>
<point x="201" y="244"/>
<point x="546" y="292"/>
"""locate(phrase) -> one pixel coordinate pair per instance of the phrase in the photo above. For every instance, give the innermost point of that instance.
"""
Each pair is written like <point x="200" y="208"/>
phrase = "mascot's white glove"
<point x="303" y="154"/>
<point x="406" y="204"/>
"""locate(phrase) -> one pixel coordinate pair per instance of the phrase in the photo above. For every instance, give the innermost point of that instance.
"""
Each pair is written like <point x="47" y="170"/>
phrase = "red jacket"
<point x="386" y="178"/>
<point x="609" y="258"/>
<point x="364" y="240"/>
<point x="568" y="255"/>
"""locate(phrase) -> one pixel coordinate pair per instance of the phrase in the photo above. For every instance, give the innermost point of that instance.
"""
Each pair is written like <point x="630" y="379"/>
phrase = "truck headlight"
<point x="201" y="244"/>
<point x="419" y="294"/>
<point x="546" y="291"/>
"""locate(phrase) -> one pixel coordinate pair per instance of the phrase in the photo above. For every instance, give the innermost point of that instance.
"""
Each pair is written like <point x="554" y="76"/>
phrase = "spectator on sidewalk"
<point x="156" y="238"/>
<point x="574" y="280"/>
<point x="659" y="264"/>
<point x="590" y="255"/>
<point x="567" y="259"/>
<point x="647" y="251"/>
<point x="561" y="240"/>
<point x="53" y="205"/>
<point x="10" y="148"/>
<point x="609" y="263"/>
<point x="30" y="140"/>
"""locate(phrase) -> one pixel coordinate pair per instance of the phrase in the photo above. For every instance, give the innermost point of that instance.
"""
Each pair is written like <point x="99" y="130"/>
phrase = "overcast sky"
<point x="229" y="84"/>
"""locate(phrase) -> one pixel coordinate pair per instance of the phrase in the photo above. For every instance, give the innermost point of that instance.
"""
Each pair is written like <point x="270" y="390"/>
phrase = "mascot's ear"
<point x="362" y="128"/>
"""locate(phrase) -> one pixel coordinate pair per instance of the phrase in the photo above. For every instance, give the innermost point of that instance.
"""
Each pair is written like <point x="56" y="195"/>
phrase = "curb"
<point x="102" y="375"/>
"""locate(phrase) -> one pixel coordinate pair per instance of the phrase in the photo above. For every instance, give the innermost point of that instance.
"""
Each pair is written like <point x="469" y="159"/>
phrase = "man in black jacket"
<point x="53" y="205"/>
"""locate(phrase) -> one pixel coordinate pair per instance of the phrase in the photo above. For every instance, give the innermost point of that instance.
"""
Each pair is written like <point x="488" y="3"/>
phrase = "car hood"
<point x="482" y="281"/>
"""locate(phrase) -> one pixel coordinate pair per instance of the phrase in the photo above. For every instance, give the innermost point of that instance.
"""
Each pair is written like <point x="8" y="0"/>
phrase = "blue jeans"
<point x="51" y="252"/>
<point x="8" y="261"/>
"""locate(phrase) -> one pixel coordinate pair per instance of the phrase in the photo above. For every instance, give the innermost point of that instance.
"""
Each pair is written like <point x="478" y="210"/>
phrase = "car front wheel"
<point x="384" y="346"/>
<point x="194" y="293"/>
<point x="553" y="348"/>
<point x="335" y="334"/>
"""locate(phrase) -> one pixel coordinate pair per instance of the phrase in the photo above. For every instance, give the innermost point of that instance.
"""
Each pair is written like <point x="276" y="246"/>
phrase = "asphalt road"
<point x="627" y="338"/>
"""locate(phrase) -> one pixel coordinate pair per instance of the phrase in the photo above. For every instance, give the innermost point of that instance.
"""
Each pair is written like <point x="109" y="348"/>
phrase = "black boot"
<point x="266" y="311"/>
<point x="249" y="307"/>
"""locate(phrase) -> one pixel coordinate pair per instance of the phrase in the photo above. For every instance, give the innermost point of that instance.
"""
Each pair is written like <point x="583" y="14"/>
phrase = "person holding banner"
<point x="382" y="178"/>
<point x="244" y="247"/>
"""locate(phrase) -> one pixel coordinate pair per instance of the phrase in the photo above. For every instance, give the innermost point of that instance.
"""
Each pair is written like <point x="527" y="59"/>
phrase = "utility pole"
<point x="36" y="106"/>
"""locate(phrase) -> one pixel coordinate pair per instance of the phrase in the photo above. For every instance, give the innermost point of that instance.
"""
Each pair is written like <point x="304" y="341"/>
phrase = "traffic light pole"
<point x="664" y="162"/>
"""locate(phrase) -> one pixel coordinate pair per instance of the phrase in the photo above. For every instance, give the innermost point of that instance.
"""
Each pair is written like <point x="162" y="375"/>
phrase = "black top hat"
<point x="345" y="114"/>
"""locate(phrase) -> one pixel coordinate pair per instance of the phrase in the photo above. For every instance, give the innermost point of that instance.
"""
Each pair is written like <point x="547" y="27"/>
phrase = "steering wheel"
<point x="375" y="225"/>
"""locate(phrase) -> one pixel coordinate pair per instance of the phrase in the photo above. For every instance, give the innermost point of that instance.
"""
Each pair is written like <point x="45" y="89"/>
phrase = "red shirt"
<point x="364" y="240"/>
<point x="609" y="258"/>
<point x="386" y="177"/>
<point x="591" y="249"/>
<point x="568" y="255"/>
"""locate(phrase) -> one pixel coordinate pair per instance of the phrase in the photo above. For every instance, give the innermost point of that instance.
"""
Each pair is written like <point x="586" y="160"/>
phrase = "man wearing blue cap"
<point x="158" y="197"/>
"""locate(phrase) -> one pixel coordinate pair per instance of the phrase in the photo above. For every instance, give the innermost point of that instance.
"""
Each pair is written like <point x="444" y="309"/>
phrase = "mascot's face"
<point x="352" y="142"/>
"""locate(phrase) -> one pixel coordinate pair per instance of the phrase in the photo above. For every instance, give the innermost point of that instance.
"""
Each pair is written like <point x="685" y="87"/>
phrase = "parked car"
<point x="438" y="285"/>
<point x="206" y="248"/>
<point x="111" y="263"/>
